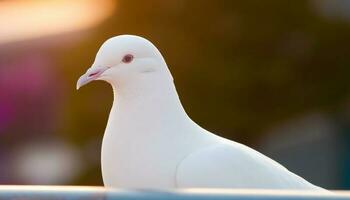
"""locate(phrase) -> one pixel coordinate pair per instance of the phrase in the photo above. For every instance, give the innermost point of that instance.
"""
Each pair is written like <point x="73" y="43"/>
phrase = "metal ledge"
<point x="98" y="193"/>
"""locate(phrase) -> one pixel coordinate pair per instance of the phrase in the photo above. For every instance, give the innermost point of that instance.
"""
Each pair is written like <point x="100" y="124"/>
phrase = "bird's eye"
<point x="128" y="58"/>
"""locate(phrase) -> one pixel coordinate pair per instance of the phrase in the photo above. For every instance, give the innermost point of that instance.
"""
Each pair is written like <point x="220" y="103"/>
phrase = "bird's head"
<point x="124" y="59"/>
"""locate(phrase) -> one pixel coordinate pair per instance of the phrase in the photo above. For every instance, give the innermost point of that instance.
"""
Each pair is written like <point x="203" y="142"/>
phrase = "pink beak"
<point x="90" y="75"/>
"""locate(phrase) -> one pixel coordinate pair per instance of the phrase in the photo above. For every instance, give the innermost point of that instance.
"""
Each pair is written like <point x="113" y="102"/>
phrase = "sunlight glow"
<point x="23" y="19"/>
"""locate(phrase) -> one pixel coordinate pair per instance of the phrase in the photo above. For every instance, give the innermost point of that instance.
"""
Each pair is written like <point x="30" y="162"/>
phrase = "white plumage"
<point x="150" y="142"/>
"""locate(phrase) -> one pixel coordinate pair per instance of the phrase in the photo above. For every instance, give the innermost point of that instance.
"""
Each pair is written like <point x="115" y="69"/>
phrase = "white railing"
<point x="99" y="193"/>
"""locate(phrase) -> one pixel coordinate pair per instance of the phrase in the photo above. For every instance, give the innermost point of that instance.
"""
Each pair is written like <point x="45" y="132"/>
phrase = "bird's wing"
<point x="232" y="165"/>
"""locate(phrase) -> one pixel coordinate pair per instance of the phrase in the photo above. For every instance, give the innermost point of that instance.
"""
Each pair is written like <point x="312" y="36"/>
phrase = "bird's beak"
<point x="90" y="75"/>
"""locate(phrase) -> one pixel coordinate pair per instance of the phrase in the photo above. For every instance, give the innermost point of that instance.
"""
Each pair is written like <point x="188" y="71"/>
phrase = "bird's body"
<point x="150" y="142"/>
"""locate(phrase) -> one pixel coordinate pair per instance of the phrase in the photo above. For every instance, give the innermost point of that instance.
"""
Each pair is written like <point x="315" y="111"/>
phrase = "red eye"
<point x="128" y="58"/>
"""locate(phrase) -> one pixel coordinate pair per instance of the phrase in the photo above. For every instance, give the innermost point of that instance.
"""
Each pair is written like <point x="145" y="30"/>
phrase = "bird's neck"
<point x="145" y="109"/>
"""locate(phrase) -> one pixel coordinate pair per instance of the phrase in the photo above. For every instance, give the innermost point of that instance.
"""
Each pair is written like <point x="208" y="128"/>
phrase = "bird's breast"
<point x="140" y="152"/>
<point x="137" y="163"/>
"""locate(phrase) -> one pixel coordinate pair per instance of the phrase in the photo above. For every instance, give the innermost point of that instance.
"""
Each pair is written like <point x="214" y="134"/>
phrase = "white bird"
<point x="150" y="142"/>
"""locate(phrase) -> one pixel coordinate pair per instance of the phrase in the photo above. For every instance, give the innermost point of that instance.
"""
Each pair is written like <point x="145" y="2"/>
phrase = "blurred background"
<point x="271" y="74"/>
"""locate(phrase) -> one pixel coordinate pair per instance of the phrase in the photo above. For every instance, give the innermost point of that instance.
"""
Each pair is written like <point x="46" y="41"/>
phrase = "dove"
<point x="150" y="141"/>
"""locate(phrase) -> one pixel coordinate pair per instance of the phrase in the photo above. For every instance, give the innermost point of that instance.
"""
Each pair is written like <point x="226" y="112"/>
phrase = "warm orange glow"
<point x="24" y="19"/>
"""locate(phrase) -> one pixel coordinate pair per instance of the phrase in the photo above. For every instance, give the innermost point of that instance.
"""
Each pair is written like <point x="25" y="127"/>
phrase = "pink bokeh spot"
<point x="6" y="115"/>
<point x="29" y="75"/>
<point x="26" y="83"/>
